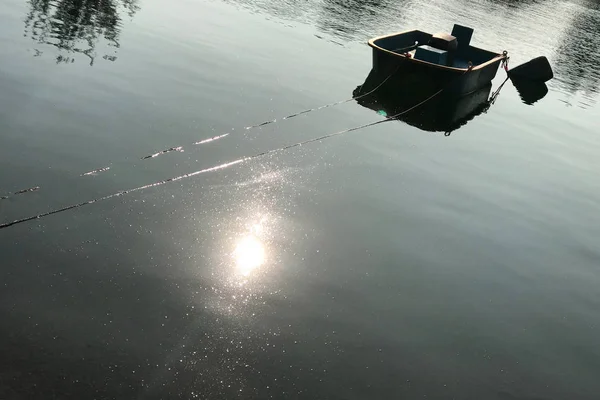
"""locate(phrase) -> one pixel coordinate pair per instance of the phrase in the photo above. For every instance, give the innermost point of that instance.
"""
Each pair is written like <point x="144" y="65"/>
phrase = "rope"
<point x="496" y="93"/>
<point x="324" y="106"/>
<point x="33" y="189"/>
<point x="261" y="124"/>
<point x="214" y="138"/>
<point x="221" y="166"/>
<point x="505" y="59"/>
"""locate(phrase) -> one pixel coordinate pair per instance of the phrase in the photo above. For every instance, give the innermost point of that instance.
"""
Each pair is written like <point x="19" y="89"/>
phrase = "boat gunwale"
<point x="372" y="44"/>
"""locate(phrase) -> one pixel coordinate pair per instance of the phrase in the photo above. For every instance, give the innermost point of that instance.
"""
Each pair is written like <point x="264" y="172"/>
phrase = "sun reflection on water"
<point x="249" y="254"/>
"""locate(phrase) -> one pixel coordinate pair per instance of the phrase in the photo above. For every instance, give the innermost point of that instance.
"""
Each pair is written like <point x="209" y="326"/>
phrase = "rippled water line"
<point x="188" y="175"/>
<point x="96" y="171"/>
<point x="120" y="193"/>
<point x="258" y="125"/>
<point x="215" y="138"/>
<point x="32" y="189"/>
<point x="315" y="109"/>
<point x="212" y="139"/>
<point x="222" y="166"/>
<point x="179" y="149"/>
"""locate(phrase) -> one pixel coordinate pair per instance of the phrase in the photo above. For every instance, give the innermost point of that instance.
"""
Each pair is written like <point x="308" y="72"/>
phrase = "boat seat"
<point x="431" y="54"/>
<point x="443" y="41"/>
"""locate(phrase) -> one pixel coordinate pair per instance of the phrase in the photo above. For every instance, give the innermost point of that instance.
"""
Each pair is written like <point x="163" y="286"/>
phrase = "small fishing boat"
<point x="438" y="61"/>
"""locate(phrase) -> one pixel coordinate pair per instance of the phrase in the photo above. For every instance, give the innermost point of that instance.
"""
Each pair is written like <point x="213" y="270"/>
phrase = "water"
<point x="387" y="262"/>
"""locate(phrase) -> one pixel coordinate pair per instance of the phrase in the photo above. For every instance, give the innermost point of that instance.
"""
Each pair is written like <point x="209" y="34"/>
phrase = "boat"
<point x="438" y="61"/>
<point x="445" y="113"/>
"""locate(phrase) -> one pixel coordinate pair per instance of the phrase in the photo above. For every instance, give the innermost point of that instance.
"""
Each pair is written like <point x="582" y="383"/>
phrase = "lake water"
<point x="384" y="263"/>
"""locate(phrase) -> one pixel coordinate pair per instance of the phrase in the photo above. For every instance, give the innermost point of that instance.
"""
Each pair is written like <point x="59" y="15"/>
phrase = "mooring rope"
<point x="324" y="106"/>
<point x="18" y="192"/>
<point x="221" y="136"/>
<point x="220" y="166"/>
<point x="272" y="121"/>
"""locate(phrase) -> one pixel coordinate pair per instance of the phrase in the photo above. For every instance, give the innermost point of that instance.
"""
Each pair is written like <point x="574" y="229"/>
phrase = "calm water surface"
<point x="384" y="263"/>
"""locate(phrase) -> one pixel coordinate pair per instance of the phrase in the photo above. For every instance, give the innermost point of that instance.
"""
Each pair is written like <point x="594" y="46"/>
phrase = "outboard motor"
<point x="536" y="70"/>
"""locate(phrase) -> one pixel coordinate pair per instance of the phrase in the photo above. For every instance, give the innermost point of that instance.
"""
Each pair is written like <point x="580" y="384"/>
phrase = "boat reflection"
<point x="530" y="92"/>
<point x="442" y="113"/>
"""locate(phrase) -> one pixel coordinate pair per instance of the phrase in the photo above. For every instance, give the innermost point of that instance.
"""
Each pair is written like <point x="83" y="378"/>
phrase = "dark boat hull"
<point x="433" y="77"/>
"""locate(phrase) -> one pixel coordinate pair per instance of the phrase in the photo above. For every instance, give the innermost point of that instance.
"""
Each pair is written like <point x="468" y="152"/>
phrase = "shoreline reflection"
<point x="77" y="27"/>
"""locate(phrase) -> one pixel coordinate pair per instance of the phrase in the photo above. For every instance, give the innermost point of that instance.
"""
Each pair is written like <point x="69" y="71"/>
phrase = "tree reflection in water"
<point x="78" y="26"/>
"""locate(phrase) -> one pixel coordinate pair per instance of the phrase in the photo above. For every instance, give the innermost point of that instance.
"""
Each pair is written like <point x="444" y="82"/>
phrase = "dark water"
<point x="387" y="262"/>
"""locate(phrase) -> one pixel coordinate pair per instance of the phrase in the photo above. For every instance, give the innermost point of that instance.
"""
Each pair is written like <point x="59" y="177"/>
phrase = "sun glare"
<point x="249" y="254"/>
